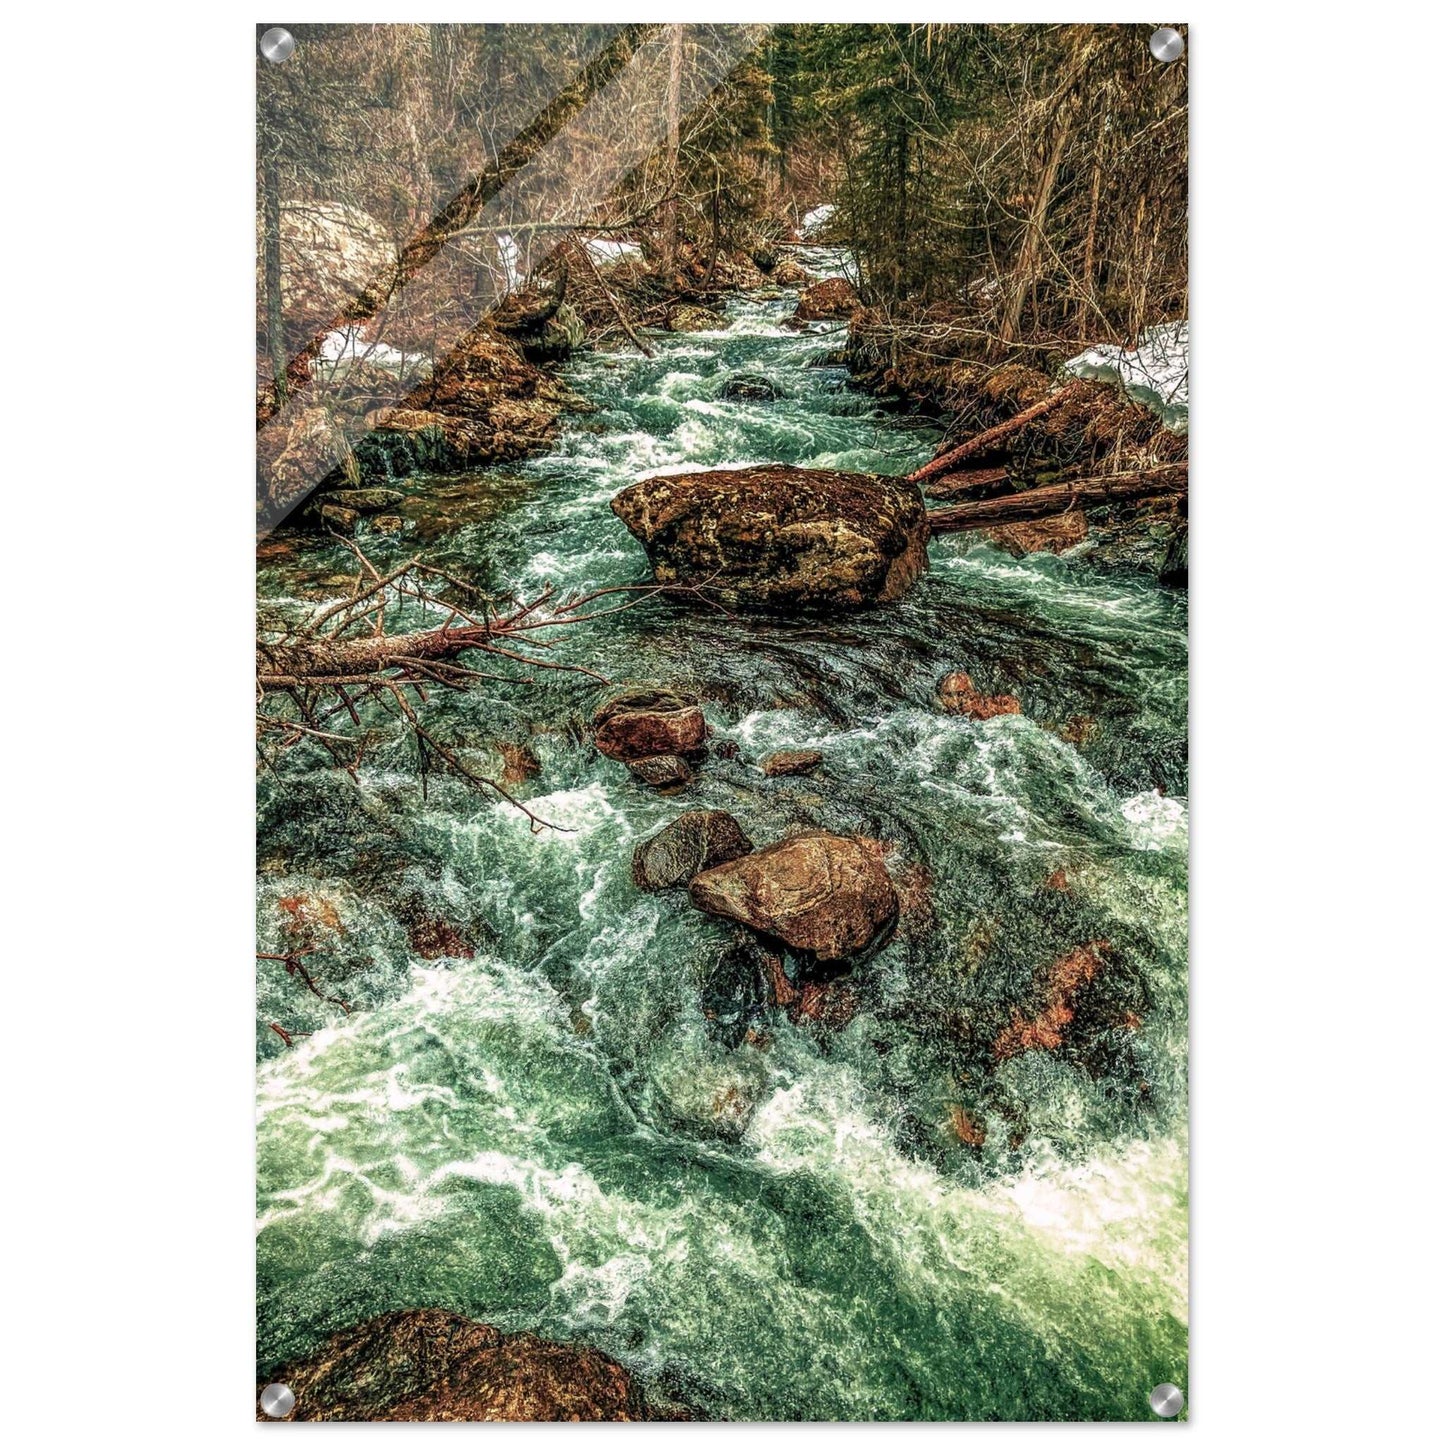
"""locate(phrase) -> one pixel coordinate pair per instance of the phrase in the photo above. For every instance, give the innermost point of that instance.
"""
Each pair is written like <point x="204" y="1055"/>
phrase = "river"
<point x="595" y="1126"/>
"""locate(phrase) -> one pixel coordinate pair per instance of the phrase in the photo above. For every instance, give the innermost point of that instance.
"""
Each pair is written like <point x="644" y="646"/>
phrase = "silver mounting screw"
<point x="278" y="1401"/>
<point x="278" y="45"/>
<point x="1166" y="44"/>
<point x="1166" y="1401"/>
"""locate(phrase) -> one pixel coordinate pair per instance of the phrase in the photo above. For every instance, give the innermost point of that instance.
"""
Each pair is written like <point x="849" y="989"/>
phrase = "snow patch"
<point x="346" y="347"/>
<point x="816" y="219"/>
<point x="609" y="253"/>
<point x="1156" y="374"/>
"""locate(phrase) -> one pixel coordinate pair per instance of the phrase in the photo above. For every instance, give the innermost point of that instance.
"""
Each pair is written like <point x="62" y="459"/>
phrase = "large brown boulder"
<point x="649" y="722"/>
<point x="434" y="1365"/>
<point x="816" y="893"/>
<point x="781" y="536"/>
<point x="689" y="845"/>
<point x="829" y="300"/>
<point x="683" y="317"/>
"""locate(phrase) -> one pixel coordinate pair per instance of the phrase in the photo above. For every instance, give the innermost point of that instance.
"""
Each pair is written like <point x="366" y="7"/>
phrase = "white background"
<point x="1316" y="529"/>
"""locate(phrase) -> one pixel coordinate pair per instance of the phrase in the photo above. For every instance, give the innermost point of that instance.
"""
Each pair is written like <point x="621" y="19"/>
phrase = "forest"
<point x="721" y="721"/>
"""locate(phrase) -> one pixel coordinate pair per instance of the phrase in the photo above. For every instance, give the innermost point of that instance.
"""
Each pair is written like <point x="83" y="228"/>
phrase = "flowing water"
<point x="588" y="1121"/>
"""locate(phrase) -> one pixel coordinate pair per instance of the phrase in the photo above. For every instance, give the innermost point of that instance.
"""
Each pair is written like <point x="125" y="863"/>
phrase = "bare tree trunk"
<point x="674" y="142"/>
<point x="271" y="264"/>
<point x="1027" y="269"/>
<point x="1091" y="232"/>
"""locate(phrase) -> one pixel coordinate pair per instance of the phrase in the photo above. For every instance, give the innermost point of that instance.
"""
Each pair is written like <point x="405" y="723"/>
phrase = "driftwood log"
<point x="1053" y="501"/>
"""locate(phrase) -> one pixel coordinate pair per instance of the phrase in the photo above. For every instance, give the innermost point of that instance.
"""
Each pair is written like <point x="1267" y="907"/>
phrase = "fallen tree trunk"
<point x="1051" y="501"/>
<point x="327" y="661"/>
<point x="949" y="460"/>
<point x="967" y="484"/>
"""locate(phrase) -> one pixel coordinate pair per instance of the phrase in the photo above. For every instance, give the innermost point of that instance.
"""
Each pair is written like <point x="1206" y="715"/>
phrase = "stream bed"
<point x="565" y="1105"/>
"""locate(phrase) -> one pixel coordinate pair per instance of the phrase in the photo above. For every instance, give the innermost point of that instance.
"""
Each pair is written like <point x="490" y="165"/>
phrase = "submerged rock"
<point x="647" y="722"/>
<point x="1174" y="570"/>
<point x="364" y="499"/>
<point x="1067" y="1006"/>
<point x="781" y="536"/>
<point x="688" y="846"/>
<point x="694" y="318"/>
<point x="958" y="695"/>
<point x="664" y="771"/>
<point x="747" y="387"/>
<point x="834" y="299"/>
<point x="817" y="893"/>
<point x="789" y="762"/>
<point x="430" y="1364"/>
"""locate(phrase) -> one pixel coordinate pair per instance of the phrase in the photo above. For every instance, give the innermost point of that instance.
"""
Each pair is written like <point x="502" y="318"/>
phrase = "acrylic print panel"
<point x="721" y="782"/>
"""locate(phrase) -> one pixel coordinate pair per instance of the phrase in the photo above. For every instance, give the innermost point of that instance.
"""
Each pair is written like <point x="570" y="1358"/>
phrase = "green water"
<point x="596" y="1127"/>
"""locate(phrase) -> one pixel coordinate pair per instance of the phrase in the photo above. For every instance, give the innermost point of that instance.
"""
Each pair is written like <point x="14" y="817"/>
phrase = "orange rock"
<point x="519" y="763"/>
<point x="308" y="913"/>
<point x="958" y="695"/>
<point x="966" y="1128"/>
<point x="784" y="994"/>
<point x="830" y="1005"/>
<point x="827" y="300"/>
<point x="1064" y="981"/>
<point x="429" y="1364"/>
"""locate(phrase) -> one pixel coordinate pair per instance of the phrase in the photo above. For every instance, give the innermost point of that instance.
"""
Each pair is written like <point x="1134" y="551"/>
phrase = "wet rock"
<point x="967" y="1127"/>
<point x="688" y="846"/>
<point x="747" y="387"/>
<point x="335" y="519"/>
<point x="829" y="1006"/>
<point x="781" y="536"/>
<point x="834" y="299"/>
<point x="789" y="272"/>
<point x="958" y="695"/>
<point x="404" y="418"/>
<point x="365" y="499"/>
<point x="817" y="893"/>
<point x="519" y="763"/>
<point x="683" y="317"/>
<point x="431" y="1364"/>
<point x="1174" y="570"/>
<point x="666" y="773"/>
<point x="312" y="448"/>
<point x="645" y="722"/>
<point x="788" y="763"/>
<point x="432" y="937"/>
<point x="1049" y="534"/>
<point x="562" y="334"/>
